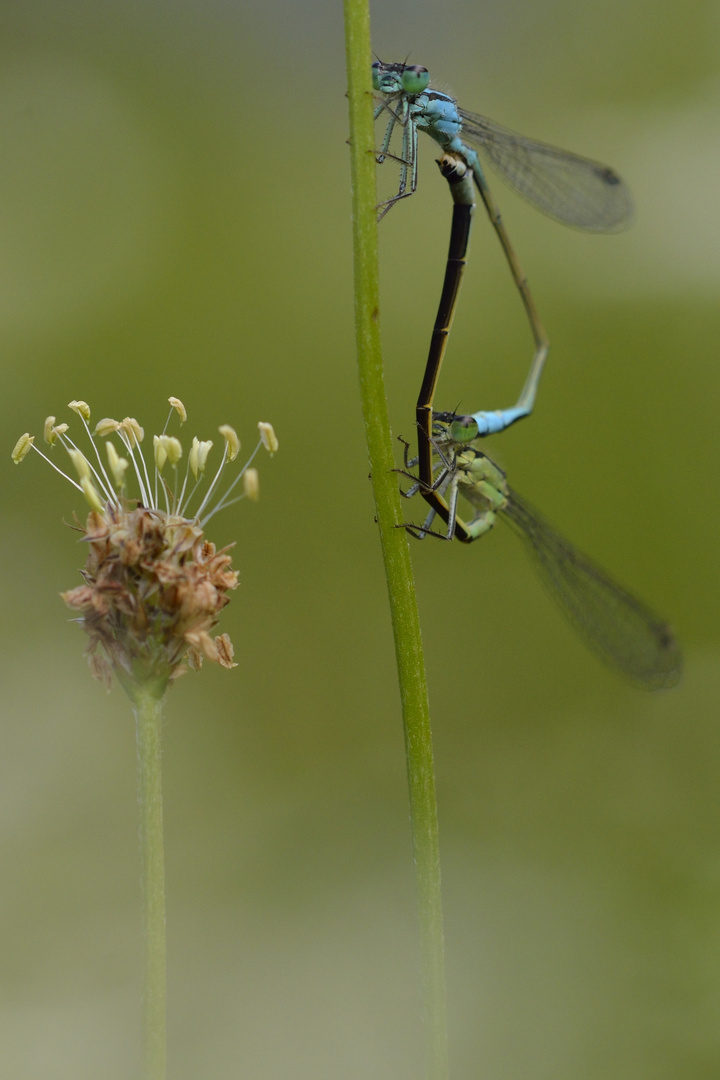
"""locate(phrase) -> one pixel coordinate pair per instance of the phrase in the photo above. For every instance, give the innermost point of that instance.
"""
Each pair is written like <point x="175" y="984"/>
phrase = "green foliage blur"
<point x="175" y="219"/>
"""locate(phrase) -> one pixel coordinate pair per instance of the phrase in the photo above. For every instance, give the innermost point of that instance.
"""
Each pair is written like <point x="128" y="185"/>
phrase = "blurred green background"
<point x="175" y="219"/>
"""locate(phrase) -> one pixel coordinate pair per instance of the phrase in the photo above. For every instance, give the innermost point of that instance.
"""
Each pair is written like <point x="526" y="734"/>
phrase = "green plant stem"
<point x="395" y="549"/>
<point x="148" y="720"/>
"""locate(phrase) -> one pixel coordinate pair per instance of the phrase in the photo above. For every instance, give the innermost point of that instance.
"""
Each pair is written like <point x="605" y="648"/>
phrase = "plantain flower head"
<point x="154" y="585"/>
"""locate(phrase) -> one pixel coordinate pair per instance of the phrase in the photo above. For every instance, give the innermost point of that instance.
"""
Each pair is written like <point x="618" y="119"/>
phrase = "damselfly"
<point x="621" y="629"/>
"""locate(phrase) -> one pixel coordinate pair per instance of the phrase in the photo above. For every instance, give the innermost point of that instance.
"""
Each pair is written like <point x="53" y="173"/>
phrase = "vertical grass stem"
<point x="148" y="718"/>
<point x="395" y="548"/>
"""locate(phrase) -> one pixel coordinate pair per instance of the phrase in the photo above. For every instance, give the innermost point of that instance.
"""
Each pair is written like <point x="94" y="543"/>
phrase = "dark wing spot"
<point x="608" y="175"/>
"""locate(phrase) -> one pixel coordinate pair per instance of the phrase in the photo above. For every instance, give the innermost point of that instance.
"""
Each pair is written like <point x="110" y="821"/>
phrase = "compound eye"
<point x="463" y="429"/>
<point x="376" y="75"/>
<point x="415" y="79"/>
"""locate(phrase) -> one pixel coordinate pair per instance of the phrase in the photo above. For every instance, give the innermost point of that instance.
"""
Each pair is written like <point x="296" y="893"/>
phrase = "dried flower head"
<point x="154" y="585"/>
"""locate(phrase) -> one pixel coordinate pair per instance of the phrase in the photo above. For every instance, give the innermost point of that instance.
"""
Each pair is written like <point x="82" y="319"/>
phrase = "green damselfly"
<point x="618" y="626"/>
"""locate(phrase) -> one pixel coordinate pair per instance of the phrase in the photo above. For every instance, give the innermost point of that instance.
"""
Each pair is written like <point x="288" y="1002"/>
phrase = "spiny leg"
<point x="409" y="166"/>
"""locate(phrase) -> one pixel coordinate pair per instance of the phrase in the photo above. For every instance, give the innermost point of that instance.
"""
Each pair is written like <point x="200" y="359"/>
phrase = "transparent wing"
<point x="614" y="623"/>
<point x="572" y="189"/>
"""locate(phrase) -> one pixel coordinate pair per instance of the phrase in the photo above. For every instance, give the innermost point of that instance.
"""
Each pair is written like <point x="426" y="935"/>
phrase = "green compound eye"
<point x="463" y="429"/>
<point x="376" y="75"/>
<point x="415" y="79"/>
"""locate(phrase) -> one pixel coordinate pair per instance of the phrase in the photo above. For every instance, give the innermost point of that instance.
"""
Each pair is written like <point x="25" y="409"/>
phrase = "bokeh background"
<point x="175" y="219"/>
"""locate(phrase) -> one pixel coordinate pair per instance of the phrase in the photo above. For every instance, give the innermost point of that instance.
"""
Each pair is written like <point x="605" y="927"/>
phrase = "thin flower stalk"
<point x="153" y="589"/>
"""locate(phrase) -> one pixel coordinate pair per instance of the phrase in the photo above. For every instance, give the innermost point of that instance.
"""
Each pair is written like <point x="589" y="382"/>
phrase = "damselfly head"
<point x="399" y="78"/>
<point x="457" y="429"/>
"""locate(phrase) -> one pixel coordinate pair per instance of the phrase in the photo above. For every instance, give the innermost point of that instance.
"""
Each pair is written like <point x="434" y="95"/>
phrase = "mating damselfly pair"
<point x="576" y="191"/>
